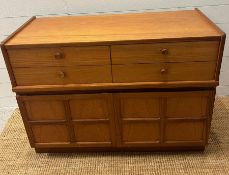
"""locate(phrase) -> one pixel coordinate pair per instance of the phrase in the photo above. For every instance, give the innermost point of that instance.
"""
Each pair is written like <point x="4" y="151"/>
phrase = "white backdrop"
<point x="13" y="13"/>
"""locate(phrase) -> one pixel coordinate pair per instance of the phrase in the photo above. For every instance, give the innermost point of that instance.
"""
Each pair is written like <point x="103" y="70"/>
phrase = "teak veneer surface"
<point x="124" y="82"/>
<point x="114" y="28"/>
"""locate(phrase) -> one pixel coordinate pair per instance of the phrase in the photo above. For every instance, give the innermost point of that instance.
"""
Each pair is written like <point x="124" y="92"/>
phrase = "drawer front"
<point x="59" y="56"/>
<point x="165" y="52"/>
<point x="62" y="75"/>
<point x="188" y="71"/>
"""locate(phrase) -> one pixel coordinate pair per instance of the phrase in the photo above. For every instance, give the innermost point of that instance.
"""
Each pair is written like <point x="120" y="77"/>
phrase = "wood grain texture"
<point x="187" y="71"/>
<point x="178" y="107"/>
<point x="62" y="75"/>
<point x="90" y="106"/>
<point x="50" y="133"/>
<point x="184" y="131"/>
<point x="69" y="56"/>
<point x="82" y="125"/>
<point x="141" y="127"/>
<point x="25" y="117"/>
<point x="177" y="52"/>
<point x="126" y="123"/>
<point x="45" y="109"/>
<point x="106" y="28"/>
<point x="116" y="81"/>
<point x="140" y="133"/>
<point x="113" y="86"/>
<point x="8" y="65"/>
<point x="92" y="132"/>
<point x="138" y="105"/>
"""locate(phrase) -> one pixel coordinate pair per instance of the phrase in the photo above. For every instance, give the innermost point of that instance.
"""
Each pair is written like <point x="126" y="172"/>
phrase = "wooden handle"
<point x="163" y="70"/>
<point x="164" y="51"/>
<point x="61" y="74"/>
<point x="58" y="55"/>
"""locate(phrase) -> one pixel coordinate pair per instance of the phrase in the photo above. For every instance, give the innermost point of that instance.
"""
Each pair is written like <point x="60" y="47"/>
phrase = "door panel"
<point x="92" y="106"/>
<point x="44" y="109"/>
<point x="140" y="132"/>
<point x="194" y="106"/>
<point x="139" y="116"/>
<point x="92" y="132"/>
<point x="183" y="131"/>
<point x="92" y="115"/>
<point x="139" y="105"/>
<point x="50" y="133"/>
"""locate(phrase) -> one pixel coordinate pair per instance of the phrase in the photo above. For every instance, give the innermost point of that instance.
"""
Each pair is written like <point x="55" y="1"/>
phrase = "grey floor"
<point x="4" y="116"/>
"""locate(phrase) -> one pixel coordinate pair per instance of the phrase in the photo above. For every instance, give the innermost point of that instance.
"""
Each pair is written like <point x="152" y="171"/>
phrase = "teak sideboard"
<point x="143" y="81"/>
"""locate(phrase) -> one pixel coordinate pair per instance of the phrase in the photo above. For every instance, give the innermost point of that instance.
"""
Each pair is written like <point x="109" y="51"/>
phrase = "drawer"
<point x="59" y="56"/>
<point x="187" y="71"/>
<point x="62" y="75"/>
<point x="165" y="52"/>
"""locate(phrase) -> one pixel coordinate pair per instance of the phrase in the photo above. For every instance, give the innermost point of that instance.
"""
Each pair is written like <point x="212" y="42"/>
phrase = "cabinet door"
<point x="139" y="118"/>
<point x="92" y="117"/>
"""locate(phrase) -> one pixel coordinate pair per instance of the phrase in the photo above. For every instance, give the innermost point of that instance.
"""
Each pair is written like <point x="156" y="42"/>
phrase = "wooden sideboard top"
<point x="118" y="28"/>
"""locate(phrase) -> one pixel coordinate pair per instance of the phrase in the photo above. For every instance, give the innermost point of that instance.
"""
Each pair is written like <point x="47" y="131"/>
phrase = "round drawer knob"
<point x="163" y="70"/>
<point x="58" y="55"/>
<point x="164" y="51"/>
<point x="61" y="74"/>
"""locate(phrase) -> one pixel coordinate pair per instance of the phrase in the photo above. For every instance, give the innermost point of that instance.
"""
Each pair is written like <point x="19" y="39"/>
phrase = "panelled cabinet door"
<point x="92" y="117"/>
<point x="47" y="119"/>
<point x="79" y="120"/>
<point x="139" y="118"/>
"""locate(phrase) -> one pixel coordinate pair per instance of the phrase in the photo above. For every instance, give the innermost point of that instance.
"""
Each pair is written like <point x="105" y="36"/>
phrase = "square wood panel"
<point x="45" y="109"/>
<point x="139" y="105"/>
<point x="94" y="106"/>
<point x="182" y="131"/>
<point x="141" y="131"/>
<point x="92" y="132"/>
<point x="50" y="133"/>
<point x="187" y="106"/>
